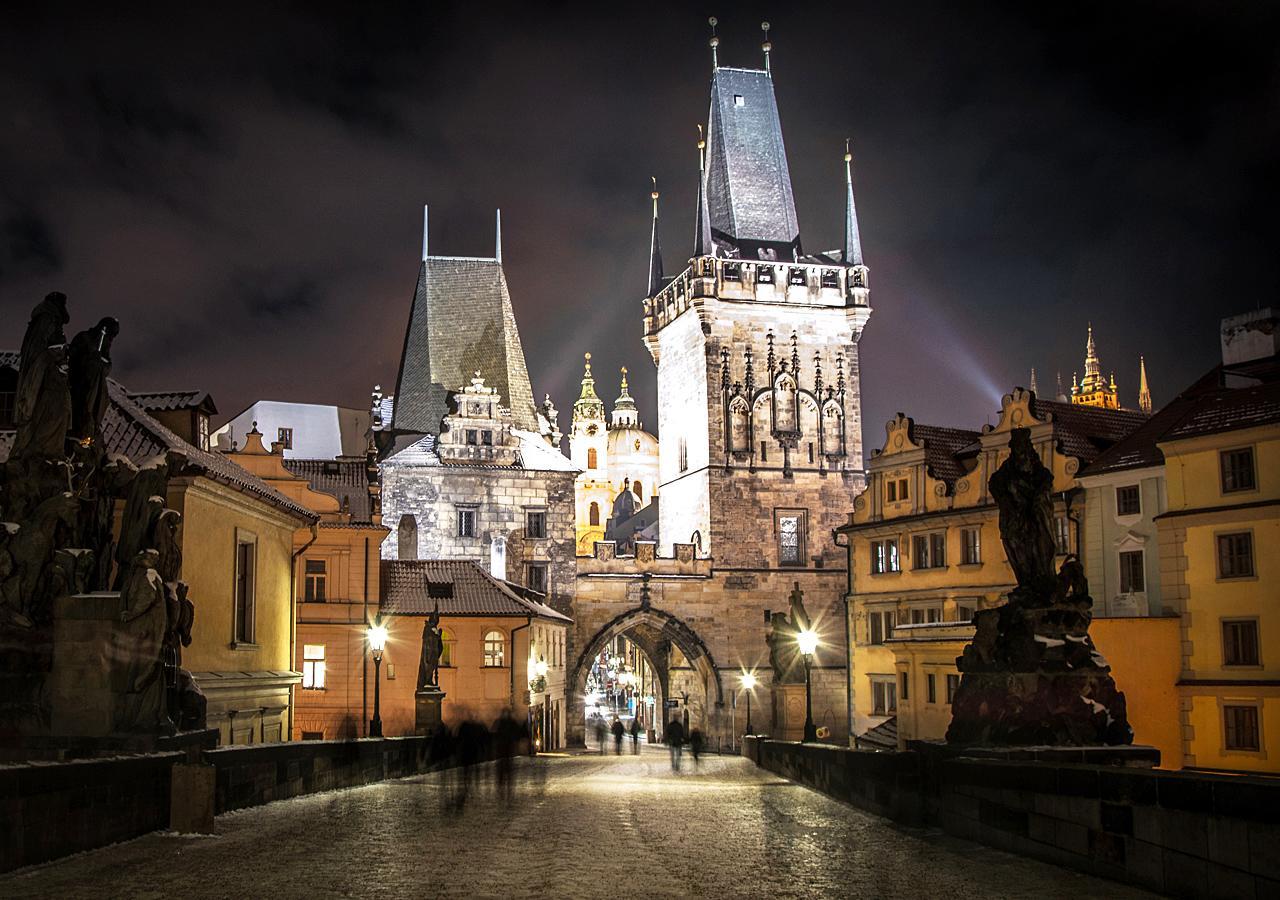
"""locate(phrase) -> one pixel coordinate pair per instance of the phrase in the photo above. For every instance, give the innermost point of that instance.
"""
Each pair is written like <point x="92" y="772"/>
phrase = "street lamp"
<point x="377" y="637"/>
<point x="540" y="667"/>
<point x="748" y="685"/>
<point x="807" y="639"/>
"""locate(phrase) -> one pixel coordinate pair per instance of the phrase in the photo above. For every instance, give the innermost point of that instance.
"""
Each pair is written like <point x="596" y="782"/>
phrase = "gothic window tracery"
<point x="739" y="426"/>
<point x="784" y="402"/>
<point x="832" y="430"/>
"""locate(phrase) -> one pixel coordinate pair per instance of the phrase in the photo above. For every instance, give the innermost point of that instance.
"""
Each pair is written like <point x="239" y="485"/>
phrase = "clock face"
<point x="592" y="429"/>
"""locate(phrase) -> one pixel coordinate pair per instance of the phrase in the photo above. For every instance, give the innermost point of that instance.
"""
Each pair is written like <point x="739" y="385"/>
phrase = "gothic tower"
<point x="756" y="345"/>
<point x="1093" y="389"/>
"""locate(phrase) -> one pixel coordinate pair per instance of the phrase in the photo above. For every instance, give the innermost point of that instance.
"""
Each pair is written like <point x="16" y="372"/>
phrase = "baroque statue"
<point x="432" y="650"/>
<point x="1032" y="675"/>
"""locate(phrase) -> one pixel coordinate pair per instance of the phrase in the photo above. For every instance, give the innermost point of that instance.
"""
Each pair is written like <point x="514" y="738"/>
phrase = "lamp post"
<point x="807" y="639"/>
<point x="377" y="643"/>
<point x="748" y="685"/>
<point x="541" y="667"/>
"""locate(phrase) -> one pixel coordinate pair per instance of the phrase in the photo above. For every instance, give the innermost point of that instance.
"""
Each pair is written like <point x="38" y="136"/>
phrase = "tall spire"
<point x="497" y="242"/>
<point x="624" y="408"/>
<point x="1092" y="368"/>
<point x="702" y="244"/>
<point x="655" y="248"/>
<point x="1094" y="389"/>
<point x="852" y="240"/>
<point x="1061" y="395"/>
<point x="1033" y="380"/>
<point x="1144" y="392"/>
<point x="766" y="46"/>
<point x="714" y="43"/>
<point x="424" y="233"/>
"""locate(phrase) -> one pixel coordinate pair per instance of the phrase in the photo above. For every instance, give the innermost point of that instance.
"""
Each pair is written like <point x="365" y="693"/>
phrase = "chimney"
<point x="1250" y="336"/>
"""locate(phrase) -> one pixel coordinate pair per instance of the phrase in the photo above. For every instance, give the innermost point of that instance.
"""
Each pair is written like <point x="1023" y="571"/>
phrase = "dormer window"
<point x="202" y="428"/>
<point x="739" y="100"/>
<point x="473" y="437"/>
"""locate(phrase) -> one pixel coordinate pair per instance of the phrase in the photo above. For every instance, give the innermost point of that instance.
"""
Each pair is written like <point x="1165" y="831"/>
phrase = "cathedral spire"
<point x="1144" y="392"/>
<point x="1092" y="368"/>
<point x="655" y="248"/>
<point x="702" y="244"/>
<point x="588" y="405"/>
<point x="1094" y="389"/>
<point x="852" y="240"/>
<point x="1033" y="380"/>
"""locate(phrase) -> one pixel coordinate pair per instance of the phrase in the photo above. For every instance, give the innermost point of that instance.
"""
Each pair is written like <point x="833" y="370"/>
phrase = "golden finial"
<point x="848" y="157"/>
<point x="766" y="46"/>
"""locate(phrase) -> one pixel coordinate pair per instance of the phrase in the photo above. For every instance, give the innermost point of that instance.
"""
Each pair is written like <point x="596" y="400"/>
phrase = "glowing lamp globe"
<point x="748" y="681"/>
<point x="808" y="641"/>
<point x="377" y="638"/>
<point x="541" y="668"/>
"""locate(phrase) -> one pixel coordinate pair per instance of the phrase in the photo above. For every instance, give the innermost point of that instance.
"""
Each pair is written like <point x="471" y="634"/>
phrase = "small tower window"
<point x="639" y="491"/>
<point x="739" y="100"/>
<point x="591" y="457"/>
<point x="593" y="514"/>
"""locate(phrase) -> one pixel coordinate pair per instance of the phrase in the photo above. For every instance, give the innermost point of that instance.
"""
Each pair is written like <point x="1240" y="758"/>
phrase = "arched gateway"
<point x="681" y="662"/>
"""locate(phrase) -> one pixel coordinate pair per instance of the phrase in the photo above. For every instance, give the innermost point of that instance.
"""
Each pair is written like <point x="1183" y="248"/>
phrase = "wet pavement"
<point x="579" y="826"/>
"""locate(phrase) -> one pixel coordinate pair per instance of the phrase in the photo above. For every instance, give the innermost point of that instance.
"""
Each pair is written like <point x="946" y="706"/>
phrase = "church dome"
<point x="630" y="440"/>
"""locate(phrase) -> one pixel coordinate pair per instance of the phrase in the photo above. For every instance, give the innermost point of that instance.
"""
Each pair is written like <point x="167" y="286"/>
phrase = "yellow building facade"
<point x="1220" y="552"/>
<point x="924" y="550"/>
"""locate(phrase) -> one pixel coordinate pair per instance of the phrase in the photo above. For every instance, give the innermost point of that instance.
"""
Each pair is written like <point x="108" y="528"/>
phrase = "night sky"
<point x="243" y="188"/>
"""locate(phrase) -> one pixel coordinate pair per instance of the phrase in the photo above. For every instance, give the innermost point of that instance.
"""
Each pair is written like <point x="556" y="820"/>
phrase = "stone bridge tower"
<point x="756" y="345"/>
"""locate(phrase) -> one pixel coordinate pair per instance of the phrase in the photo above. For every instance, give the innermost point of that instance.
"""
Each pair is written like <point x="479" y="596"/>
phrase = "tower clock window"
<point x="591" y="458"/>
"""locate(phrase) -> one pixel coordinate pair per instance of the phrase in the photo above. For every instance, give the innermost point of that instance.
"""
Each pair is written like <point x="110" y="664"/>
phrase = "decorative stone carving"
<point x="1031" y="675"/>
<point x="89" y="359"/>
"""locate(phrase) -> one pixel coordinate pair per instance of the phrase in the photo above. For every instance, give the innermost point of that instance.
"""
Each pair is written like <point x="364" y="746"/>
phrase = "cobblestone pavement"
<point x="583" y="826"/>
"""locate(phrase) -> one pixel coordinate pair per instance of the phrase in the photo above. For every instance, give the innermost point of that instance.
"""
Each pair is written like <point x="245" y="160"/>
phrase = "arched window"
<point x="591" y="457"/>
<point x="407" y="537"/>
<point x="638" y="491"/>
<point x="832" y="441"/>
<point x="495" y="649"/>
<point x="448" y="640"/>
<point x="739" y="430"/>
<point x="784" y="399"/>
<point x="593" y="514"/>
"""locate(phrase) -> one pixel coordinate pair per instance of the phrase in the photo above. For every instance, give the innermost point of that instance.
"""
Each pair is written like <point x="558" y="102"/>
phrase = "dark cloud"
<point x="246" y="182"/>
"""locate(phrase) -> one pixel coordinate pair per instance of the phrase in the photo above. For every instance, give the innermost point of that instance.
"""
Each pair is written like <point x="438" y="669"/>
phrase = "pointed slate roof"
<point x="461" y="323"/>
<point x="749" y="197"/>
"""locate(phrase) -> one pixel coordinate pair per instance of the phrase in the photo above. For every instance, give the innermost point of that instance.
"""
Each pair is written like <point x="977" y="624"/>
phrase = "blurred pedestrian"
<point x="635" y="735"/>
<point x="675" y="742"/>
<point x="506" y="738"/>
<point x="600" y="733"/>
<point x="618" y="732"/>
<point x="696" y="742"/>
<point x="471" y="741"/>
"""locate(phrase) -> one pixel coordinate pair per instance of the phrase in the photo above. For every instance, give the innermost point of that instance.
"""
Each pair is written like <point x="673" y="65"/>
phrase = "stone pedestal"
<point x="427" y="704"/>
<point x="81" y="699"/>
<point x="788" y="713"/>
<point x="191" y="799"/>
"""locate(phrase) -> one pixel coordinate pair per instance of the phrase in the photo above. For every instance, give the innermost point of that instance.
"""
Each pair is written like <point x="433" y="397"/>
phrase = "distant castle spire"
<point x="1093" y="389"/>
<point x="1033" y="380"/>
<point x="1061" y="394"/>
<point x="655" y="248"/>
<point x="852" y="240"/>
<point x="1144" y="392"/>
<point x="497" y="242"/>
<point x="702" y="243"/>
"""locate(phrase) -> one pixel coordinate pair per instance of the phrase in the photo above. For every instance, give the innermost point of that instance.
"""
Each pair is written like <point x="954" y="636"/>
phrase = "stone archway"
<point x="649" y="629"/>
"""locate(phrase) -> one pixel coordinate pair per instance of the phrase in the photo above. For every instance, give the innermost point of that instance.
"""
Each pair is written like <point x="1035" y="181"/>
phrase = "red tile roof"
<point x="460" y="587"/>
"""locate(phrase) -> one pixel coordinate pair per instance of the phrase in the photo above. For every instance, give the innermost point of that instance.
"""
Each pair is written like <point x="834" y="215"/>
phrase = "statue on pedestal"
<point x="43" y="401"/>
<point x="89" y="358"/>
<point x="432" y="649"/>
<point x="1032" y="675"/>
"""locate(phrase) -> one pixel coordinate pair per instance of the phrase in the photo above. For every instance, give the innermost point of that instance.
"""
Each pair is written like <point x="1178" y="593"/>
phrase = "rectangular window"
<point x="929" y="550"/>
<point x="796" y="277"/>
<point x="1128" y="500"/>
<point x="1062" y="535"/>
<point x="473" y="437"/>
<point x="830" y="278"/>
<point x="313" y="667"/>
<point x="202" y="427"/>
<point x="1240" y="642"/>
<point x="811" y="453"/>
<point x="884" y="556"/>
<point x="953" y="685"/>
<point x="1235" y="555"/>
<point x="1241" y="728"/>
<point x="1237" y="470"/>
<point x="902" y="489"/>
<point x="466" y="523"/>
<point x="891" y="491"/>
<point x="285" y="437"/>
<point x="904" y="679"/>
<point x="1132" y="572"/>
<point x="486" y="438"/>
<point x="881" y="625"/>
<point x="316" y="576"/>
<point x="764" y="452"/>
<point x="684" y="455"/>
<point x="964" y="613"/>
<point x="245" y="575"/>
<point x="791" y="538"/>
<point x="535" y="524"/>
<point x="536" y="577"/>
<point x="764" y="274"/>
<point x="931" y="688"/>
<point x="971" y="546"/>
<point x="884" y="700"/>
